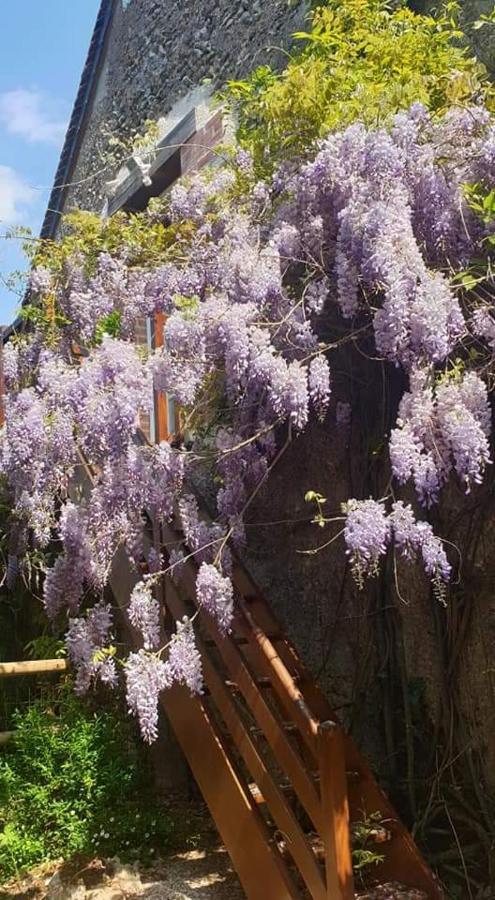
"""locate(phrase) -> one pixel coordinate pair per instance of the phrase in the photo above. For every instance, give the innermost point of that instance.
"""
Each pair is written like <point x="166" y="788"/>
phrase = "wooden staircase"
<point x="283" y="782"/>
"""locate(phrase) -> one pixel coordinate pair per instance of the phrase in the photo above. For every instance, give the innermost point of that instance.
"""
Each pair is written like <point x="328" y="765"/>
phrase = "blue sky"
<point x="43" y="46"/>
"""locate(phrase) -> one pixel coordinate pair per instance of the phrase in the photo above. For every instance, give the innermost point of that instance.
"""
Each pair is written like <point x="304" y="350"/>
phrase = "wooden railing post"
<point x="163" y="428"/>
<point x="335" y="812"/>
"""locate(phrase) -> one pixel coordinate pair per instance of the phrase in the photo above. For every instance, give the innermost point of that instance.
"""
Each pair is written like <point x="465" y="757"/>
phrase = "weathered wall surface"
<point x="382" y="654"/>
<point x="414" y="680"/>
<point x="482" y="40"/>
<point x="160" y="50"/>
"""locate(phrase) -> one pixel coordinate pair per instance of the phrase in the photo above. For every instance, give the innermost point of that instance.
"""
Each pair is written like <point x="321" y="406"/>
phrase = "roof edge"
<point x="72" y="140"/>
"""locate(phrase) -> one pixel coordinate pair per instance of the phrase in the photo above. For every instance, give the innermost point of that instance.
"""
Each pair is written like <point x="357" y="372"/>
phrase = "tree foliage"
<point x="358" y="60"/>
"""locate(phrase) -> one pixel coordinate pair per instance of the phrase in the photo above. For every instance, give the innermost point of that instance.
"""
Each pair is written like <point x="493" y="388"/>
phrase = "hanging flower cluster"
<point x="369" y="231"/>
<point x="369" y="531"/>
<point x="441" y="430"/>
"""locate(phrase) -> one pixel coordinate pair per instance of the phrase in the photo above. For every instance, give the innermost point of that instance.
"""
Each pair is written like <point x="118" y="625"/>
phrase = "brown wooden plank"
<point x="335" y="834"/>
<point x="278" y="806"/>
<point x="403" y="861"/>
<point x="265" y="619"/>
<point x="257" y="862"/>
<point x="32" y="667"/>
<point x="273" y="730"/>
<point x="161" y="412"/>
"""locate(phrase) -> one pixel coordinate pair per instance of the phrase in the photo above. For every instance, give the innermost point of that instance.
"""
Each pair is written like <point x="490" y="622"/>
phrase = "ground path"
<point x="193" y="875"/>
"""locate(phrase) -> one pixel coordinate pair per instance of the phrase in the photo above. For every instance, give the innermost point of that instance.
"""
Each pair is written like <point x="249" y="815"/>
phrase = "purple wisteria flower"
<point x="215" y="594"/>
<point x="40" y="280"/>
<point x="146" y="677"/>
<point x="144" y="614"/>
<point x="416" y="538"/>
<point x="441" y="429"/>
<point x="184" y="660"/>
<point x="367" y="536"/>
<point x="319" y="385"/>
<point x="86" y="642"/>
<point x="354" y="254"/>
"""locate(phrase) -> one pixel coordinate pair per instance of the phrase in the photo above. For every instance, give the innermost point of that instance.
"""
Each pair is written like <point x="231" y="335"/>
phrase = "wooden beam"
<point x="32" y="667"/>
<point x="335" y="806"/>
<point x="283" y="682"/>
<point x="162" y="425"/>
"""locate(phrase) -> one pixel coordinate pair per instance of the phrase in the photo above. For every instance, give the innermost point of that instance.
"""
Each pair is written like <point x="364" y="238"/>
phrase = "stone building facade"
<point x="398" y="668"/>
<point x="149" y="58"/>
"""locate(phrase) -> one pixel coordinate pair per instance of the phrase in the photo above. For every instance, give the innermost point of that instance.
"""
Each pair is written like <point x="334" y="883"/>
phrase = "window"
<point x="183" y="148"/>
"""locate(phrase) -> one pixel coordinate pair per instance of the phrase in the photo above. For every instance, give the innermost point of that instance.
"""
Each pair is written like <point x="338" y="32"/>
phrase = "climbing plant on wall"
<point x="358" y="60"/>
<point x="369" y="229"/>
<point x="365" y="240"/>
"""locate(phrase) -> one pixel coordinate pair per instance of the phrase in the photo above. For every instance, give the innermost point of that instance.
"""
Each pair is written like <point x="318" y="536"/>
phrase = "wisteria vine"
<point x="373" y="230"/>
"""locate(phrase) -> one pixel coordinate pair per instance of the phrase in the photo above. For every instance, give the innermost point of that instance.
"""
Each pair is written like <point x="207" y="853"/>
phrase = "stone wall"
<point x="406" y="674"/>
<point x="158" y="52"/>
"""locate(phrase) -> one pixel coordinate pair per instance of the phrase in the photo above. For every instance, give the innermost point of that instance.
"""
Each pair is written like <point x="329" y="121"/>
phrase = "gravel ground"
<point x="392" y="891"/>
<point x="195" y="875"/>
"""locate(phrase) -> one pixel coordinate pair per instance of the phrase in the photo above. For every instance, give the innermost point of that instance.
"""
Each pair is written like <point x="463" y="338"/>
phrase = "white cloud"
<point x="15" y="195"/>
<point x="31" y="115"/>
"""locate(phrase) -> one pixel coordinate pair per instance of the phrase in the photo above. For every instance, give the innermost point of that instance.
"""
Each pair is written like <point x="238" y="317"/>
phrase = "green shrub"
<point x="362" y="59"/>
<point x="75" y="781"/>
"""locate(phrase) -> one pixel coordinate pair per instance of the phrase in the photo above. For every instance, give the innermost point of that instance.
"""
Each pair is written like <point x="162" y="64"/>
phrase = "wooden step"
<point x="392" y="890"/>
<point x="376" y="833"/>
<point x="262" y="682"/>
<point x="318" y="846"/>
<point x="287" y="788"/>
<point x="314" y="841"/>
<point x="288" y="727"/>
<point x="242" y="641"/>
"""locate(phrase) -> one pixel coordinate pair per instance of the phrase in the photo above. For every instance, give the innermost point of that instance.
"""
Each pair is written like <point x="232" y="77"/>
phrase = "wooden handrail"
<point x="32" y="667"/>
<point x="281" y="679"/>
